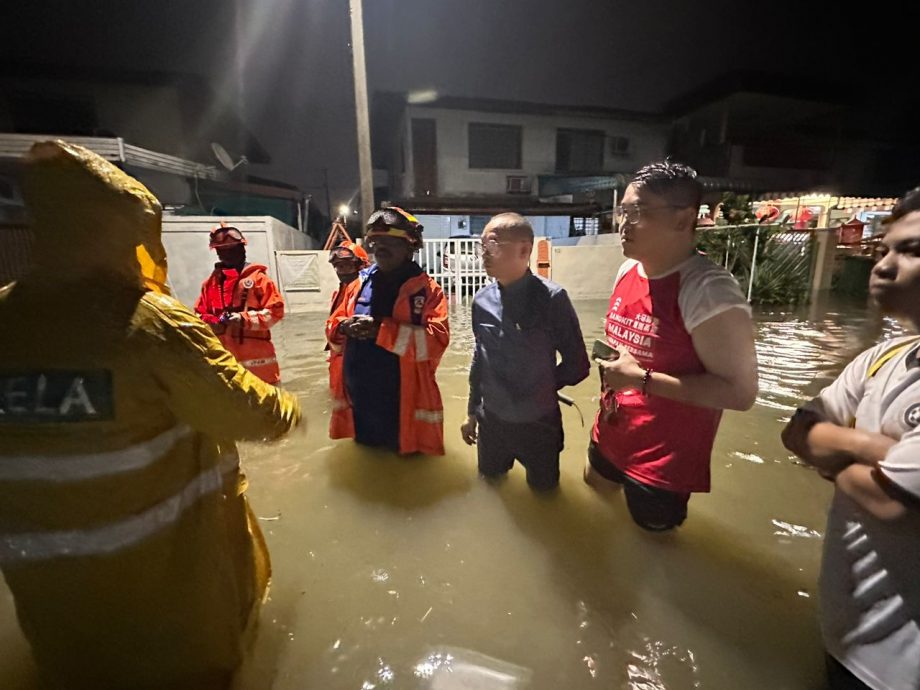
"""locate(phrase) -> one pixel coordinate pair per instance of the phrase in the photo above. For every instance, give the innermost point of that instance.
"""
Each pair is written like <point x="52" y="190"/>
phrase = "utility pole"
<point x="362" y="117"/>
<point x="326" y="188"/>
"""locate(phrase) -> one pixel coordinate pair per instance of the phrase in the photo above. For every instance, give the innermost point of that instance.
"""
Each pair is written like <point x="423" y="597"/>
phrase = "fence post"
<point x="825" y="243"/>
<point x="753" y="265"/>
<point x="458" y="260"/>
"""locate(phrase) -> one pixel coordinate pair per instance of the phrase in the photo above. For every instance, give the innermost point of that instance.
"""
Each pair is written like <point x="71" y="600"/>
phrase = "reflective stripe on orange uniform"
<point x="421" y="413"/>
<point x="250" y="341"/>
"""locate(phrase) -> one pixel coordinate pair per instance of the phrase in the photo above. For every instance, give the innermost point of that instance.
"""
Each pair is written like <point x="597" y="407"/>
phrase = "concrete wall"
<point x="550" y="226"/>
<point x="538" y="148"/>
<point x="190" y="260"/>
<point x="587" y="268"/>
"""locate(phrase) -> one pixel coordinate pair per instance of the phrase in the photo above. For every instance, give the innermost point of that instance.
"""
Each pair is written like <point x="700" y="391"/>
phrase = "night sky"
<point x="296" y="77"/>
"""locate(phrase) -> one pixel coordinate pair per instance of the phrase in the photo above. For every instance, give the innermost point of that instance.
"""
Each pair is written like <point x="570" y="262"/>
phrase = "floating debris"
<point x="787" y="529"/>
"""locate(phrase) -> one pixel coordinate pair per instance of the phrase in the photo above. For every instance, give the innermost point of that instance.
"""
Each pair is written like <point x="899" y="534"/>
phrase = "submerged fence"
<point x="773" y="265"/>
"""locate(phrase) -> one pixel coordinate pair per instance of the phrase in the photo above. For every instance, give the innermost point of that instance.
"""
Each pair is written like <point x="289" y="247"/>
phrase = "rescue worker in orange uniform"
<point x="125" y="535"/>
<point x="391" y="328"/>
<point x="241" y="304"/>
<point x="348" y="259"/>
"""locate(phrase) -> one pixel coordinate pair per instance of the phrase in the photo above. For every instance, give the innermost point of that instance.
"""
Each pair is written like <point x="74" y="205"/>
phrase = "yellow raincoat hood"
<point x="90" y="216"/>
<point x="125" y="535"/>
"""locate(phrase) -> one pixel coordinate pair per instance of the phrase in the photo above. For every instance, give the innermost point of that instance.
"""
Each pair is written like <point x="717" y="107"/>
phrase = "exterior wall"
<point x="538" y="148"/>
<point x="779" y="178"/>
<point x="190" y="260"/>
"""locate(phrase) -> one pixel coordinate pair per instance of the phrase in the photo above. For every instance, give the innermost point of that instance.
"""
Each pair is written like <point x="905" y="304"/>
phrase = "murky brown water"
<point x="391" y="572"/>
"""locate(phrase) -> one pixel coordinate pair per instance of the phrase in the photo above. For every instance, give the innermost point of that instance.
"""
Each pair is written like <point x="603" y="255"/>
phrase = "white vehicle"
<point x="461" y="258"/>
<point x="454" y="263"/>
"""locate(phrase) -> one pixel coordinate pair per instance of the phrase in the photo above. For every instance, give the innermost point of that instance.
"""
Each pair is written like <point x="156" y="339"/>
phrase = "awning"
<point x="555" y="185"/>
<point x="489" y="206"/>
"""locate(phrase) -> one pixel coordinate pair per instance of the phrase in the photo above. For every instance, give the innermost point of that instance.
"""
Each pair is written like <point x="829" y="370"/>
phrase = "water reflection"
<point x="411" y="573"/>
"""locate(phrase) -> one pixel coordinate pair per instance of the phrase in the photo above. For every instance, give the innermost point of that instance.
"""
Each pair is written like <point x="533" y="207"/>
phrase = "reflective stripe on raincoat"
<point x="125" y="536"/>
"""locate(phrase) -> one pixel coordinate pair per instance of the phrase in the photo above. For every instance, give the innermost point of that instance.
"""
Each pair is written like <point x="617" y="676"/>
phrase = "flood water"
<point x="413" y="573"/>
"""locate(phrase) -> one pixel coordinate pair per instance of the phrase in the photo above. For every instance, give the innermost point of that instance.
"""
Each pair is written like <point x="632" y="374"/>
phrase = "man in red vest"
<point x="241" y="304"/>
<point x="684" y="352"/>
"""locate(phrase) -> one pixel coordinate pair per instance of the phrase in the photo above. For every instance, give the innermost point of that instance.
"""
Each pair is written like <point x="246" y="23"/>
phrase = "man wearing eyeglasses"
<point x="241" y="304"/>
<point x="684" y="346"/>
<point x="520" y="322"/>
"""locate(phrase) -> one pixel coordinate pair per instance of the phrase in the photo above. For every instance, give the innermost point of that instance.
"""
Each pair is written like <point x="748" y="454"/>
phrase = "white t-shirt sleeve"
<point x="902" y="464"/>
<point x="706" y="291"/>
<point x="623" y="270"/>
<point x="837" y="403"/>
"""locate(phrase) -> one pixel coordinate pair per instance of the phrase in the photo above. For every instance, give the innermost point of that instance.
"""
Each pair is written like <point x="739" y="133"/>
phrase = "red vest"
<point x="657" y="441"/>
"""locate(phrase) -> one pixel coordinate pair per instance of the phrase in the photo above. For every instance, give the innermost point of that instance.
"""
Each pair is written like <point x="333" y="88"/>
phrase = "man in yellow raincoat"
<point x="125" y="537"/>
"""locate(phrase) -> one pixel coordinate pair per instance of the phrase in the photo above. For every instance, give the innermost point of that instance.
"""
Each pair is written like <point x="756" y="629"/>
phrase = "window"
<point x="579" y="150"/>
<point x="478" y="224"/>
<point x="495" y="146"/>
<point x="517" y="184"/>
<point x="619" y="146"/>
<point x="584" y="226"/>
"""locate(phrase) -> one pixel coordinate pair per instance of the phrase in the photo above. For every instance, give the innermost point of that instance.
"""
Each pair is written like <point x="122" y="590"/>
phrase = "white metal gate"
<point x="455" y="264"/>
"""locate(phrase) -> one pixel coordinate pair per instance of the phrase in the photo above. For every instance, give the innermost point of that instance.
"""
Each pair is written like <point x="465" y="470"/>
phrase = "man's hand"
<point x="831" y="448"/>
<point x="360" y="327"/>
<point x="468" y="430"/>
<point x="214" y="322"/>
<point x="231" y="321"/>
<point x="622" y="372"/>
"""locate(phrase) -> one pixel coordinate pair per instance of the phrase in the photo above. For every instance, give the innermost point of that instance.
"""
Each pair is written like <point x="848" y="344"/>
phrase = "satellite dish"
<point x="224" y="158"/>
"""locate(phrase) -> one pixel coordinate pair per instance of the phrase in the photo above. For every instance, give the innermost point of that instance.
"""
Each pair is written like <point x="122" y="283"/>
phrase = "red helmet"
<point x="225" y="236"/>
<point x="350" y="250"/>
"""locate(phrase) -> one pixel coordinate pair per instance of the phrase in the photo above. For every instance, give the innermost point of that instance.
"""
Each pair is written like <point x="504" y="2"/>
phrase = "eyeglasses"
<point x="490" y="247"/>
<point x="631" y="214"/>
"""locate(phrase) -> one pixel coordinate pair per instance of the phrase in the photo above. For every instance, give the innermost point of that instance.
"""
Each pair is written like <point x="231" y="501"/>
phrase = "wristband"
<point x="646" y="379"/>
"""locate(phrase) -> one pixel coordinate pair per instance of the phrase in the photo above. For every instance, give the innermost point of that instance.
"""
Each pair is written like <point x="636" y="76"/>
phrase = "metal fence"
<point x="456" y="266"/>
<point x="773" y="265"/>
